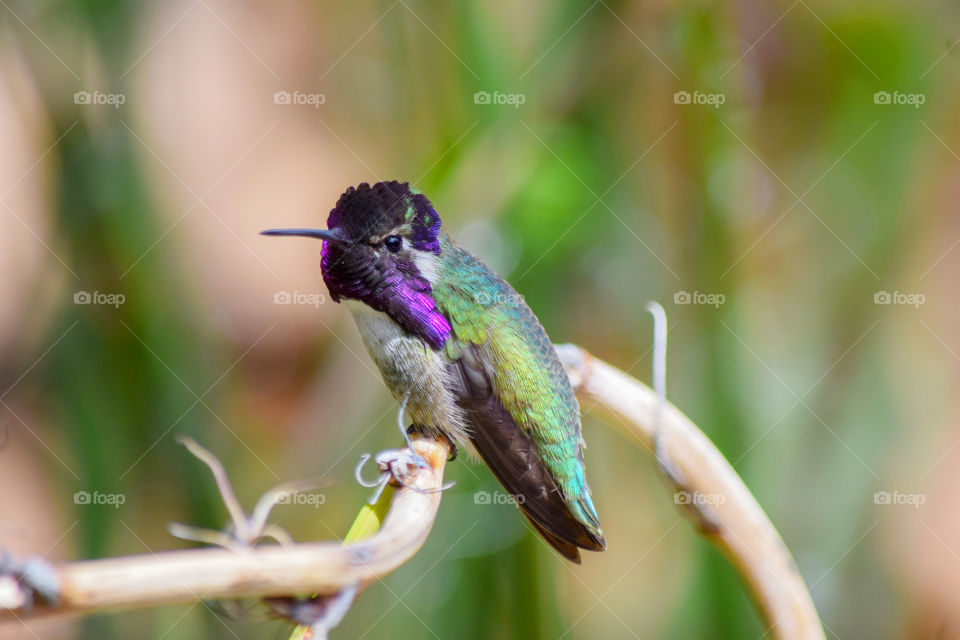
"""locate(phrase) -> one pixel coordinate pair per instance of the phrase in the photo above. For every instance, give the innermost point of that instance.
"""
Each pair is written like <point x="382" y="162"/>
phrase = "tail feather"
<point x="511" y="457"/>
<point x="567" y="549"/>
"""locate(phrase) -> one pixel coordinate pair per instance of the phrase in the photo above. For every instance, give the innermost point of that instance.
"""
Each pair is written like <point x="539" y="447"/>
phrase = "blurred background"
<point x="780" y="176"/>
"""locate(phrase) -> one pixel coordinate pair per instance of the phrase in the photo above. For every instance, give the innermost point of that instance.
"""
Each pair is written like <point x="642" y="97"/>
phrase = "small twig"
<point x="317" y="615"/>
<point x="237" y="515"/>
<point x="245" y="531"/>
<point x="669" y="471"/>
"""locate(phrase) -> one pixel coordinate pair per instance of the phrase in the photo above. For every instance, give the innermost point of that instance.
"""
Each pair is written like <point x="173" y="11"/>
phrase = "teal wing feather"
<point x="491" y="323"/>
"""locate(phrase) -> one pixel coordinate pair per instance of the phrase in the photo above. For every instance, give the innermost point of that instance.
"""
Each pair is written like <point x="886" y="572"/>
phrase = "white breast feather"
<point x="408" y="364"/>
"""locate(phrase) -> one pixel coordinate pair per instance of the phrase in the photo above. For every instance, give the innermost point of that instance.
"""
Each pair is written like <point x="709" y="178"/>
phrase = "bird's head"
<point x="382" y="247"/>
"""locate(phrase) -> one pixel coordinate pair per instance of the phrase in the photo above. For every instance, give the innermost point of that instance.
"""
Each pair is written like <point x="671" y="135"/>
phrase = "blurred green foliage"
<point x="602" y="193"/>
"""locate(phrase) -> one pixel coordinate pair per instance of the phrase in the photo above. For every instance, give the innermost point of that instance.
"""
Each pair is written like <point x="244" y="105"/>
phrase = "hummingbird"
<point x="462" y="350"/>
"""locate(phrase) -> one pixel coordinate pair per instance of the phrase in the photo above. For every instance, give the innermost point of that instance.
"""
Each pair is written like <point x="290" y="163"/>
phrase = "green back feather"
<point x="529" y="379"/>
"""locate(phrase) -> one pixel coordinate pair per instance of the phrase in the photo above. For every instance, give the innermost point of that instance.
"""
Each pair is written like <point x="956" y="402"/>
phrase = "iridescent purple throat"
<point x="399" y="290"/>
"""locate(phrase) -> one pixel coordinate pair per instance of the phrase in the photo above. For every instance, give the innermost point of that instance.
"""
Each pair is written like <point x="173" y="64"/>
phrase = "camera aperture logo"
<point x="899" y="98"/>
<point x="498" y="497"/>
<point x="96" y="498"/>
<point x="300" y="98"/>
<point x="699" y="499"/>
<point x="303" y="498"/>
<point x="897" y="498"/>
<point x="710" y="99"/>
<point x="897" y="297"/>
<point x="495" y="299"/>
<point x="98" y="98"/>
<point x="497" y="98"/>
<point x="97" y="297"/>
<point x="299" y="297"/>
<point x="697" y="297"/>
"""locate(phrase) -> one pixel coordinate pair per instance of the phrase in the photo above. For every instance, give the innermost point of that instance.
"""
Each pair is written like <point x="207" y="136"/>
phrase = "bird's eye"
<point x="393" y="243"/>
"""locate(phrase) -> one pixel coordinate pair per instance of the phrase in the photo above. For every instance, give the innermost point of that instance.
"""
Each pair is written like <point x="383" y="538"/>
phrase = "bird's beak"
<point x="324" y="234"/>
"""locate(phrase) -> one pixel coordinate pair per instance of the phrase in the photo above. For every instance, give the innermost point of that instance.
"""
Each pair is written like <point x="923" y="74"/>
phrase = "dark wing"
<point x="513" y="457"/>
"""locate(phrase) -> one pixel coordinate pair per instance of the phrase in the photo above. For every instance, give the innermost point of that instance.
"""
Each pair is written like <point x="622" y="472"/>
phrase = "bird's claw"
<point x="392" y="464"/>
<point x="23" y="581"/>
<point x="398" y="465"/>
<point x="415" y="429"/>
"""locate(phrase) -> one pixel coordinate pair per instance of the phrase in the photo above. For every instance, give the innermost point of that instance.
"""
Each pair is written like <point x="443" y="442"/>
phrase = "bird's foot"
<point x="425" y="432"/>
<point x="417" y="430"/>
<point x="400" y="466"/>
<point x="23" y="582"/>
<point x="397" y="465"/>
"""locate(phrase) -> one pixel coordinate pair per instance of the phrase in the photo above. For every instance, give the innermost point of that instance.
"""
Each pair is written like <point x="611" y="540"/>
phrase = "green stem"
<point x="367" y="523"/>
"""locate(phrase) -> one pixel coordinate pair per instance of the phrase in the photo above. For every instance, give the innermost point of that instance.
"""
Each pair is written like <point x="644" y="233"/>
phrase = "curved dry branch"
<point x="710" y="490"/>
<point x="323" y="568"/>
<point x="702" y="476"/>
